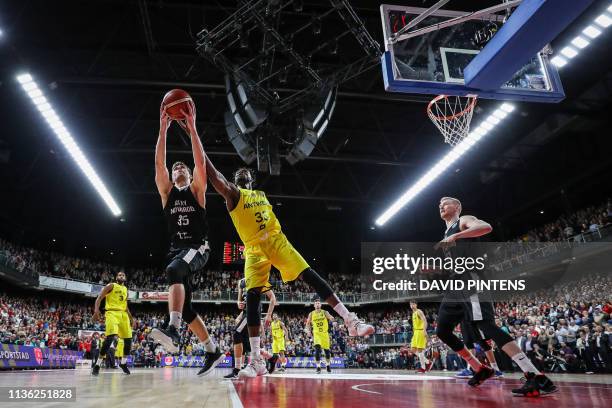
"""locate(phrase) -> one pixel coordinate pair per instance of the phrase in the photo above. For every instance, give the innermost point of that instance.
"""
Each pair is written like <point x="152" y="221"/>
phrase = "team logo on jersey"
<point x="38" y="356"/>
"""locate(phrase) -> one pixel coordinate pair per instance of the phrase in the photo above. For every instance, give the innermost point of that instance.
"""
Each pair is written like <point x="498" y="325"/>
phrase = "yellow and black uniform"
<point x="278" y="337"/>
<point x="264" y="242"/>
<point x="419" y="340"/>
<point x="320" y="328"/>
<point x="117" y="319"/>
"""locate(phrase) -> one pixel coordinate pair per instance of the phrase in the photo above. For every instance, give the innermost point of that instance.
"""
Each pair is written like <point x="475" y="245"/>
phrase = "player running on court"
<point x="320" y="332"/>
<point x="118" y="320"/>
<point x="479" y="312"/>
<point x="266" y="245"/>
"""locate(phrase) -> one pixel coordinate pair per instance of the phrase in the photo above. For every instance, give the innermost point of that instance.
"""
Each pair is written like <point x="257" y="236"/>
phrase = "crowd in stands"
<point x="572" y="227"/>
<point x="566" y="327"/>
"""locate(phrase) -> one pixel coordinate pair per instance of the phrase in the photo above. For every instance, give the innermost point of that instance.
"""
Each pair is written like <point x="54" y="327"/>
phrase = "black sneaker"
<point x="233" y="374"/>
<point x="95" y="370"/>
<point x="125" y="368"/>
<point x="272" y="364"/>
<point x="212" y="360"/>
<point x="534" y="386"/>
<point x="318" y="370"/>
<point x="481" y="376"/>
<point x="328" y="369"/>
<point x="168" y="337"/>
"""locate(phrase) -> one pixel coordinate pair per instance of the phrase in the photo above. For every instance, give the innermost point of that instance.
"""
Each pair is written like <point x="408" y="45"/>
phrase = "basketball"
<point x="174" y="101"/>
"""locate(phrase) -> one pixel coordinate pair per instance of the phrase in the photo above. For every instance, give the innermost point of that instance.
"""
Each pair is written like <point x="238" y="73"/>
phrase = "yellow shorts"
<point x="322" y="340"/>
<point x="419" y="341"/>
<point x="278" y="346"/>
<point x="119" y="349"/>
<point x="274" y="250"/>
<point x="118" y="323"/>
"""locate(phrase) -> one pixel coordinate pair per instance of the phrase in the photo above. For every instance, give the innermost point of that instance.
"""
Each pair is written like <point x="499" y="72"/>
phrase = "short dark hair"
<point x="181" y="163"/>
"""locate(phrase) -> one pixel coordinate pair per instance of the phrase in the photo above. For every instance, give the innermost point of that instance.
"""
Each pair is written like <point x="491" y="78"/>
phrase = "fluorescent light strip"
<point x="591" y="31"/>
<point x="580" y="42"/>
<point x="558" y="61"/>
<point x="604" y="21"/>
<point x="48" y="113"/>
<point x="569" y="52"/>
<point x="451" y="157"/>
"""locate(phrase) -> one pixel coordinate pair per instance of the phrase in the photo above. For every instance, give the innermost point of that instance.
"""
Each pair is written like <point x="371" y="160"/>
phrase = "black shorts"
<point x="478" y="309"/>
<point x="196" y="258"/>
<point x="241" y="333"/>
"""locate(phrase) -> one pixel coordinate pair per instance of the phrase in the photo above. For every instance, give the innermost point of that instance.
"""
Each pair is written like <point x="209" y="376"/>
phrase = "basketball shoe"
<point x="357" y="327"/>
<point x="535" y="385"/>
<point x="168" y="337"/>
<point x="256" y="367"/>
<point x="481" y="376"/>
<point x="212" y="360"/>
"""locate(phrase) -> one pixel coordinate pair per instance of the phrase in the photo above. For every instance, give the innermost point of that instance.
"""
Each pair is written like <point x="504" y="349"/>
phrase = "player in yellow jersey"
<point x="279" y="339"/>
<point x="118" y="319"/>
<point x="418" y="344"/>
<point x="320" y="332"/>
<point x="266" y="245"/>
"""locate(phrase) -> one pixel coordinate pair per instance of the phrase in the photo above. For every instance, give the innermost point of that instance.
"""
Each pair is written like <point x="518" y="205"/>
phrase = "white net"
<point x="452" y="115"/>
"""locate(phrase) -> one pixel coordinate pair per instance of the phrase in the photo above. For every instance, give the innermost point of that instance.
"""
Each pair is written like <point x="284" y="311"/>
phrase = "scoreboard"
<point x="232" y="253"/>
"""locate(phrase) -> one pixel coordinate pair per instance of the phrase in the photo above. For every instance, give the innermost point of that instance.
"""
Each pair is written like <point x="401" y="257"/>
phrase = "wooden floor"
<point x="180" y="387"/>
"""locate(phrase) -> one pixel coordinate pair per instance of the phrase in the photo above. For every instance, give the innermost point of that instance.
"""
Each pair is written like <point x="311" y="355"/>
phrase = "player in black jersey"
<point x="480" y="314"/>
<point x="241" y="332"/>
<point x="184" y="204"/>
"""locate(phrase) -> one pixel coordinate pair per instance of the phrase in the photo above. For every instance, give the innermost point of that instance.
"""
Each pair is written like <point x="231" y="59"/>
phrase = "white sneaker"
<point x="255" y="368"/>
<point x="357" y="327"/>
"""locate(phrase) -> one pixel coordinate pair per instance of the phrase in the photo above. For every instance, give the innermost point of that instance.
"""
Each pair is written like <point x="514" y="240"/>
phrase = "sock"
<point x="175" y="319"/>
<point x="319" y="364"/>
<point x="422" y="359"/>
<point x="342" y="310"/>
<point x="524" y="363"/>
<point x="495" y="366"/>
<point x="238" y="363"/>
<point x="470" y="359"/>
<point x="123" y="360"/>
<point x="255" y="348"/>
<point x="209" y="345"/>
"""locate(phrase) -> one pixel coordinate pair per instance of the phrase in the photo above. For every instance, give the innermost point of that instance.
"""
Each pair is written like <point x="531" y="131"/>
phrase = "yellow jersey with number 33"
<point x="253" y="217"/>
<point x="116" y="300"/>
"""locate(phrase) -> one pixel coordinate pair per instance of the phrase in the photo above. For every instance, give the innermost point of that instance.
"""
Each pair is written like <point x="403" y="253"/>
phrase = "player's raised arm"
<point x="228" y="190"/>
<point x="472" y="227"/>
<point x="199" y="168"/>
<point x="162" y="178"/>
<point x="105" y="291"/>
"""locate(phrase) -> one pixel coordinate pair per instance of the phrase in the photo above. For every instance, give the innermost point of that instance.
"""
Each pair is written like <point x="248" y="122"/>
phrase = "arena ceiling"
<point x="106" y="65"/>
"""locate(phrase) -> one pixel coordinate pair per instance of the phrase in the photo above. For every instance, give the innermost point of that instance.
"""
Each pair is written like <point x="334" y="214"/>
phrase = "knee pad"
<point x="127" y="347"/>
<point x="446" y="335"/>
<point x="188" y="314"/>
<point x="491" y="331"/>
<point x="317" y="352"/>
<point x="321" y="287"/>
<point x="177" y="271"/>
<point x="252" y="307"/>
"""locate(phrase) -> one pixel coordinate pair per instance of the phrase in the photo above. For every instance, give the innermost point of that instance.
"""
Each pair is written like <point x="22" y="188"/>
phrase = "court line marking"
<point x="346" y="376"/>
<point x="233" y="394"/>
<point x="356" y="388"/>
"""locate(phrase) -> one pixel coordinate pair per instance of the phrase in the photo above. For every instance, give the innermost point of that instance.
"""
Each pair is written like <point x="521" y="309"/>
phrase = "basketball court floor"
<point x="180" y="387"/>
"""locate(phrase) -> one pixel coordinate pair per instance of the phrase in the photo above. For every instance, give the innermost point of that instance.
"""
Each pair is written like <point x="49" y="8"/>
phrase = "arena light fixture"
<point x="558" y="61"/>
<point x="592" y="31"/>
<point x="580" y="42"/>
<point x="43" y="106"/>
<point x="569" y="52"/>
<point x="604" y="20"/>
<point x="445" y="162"/>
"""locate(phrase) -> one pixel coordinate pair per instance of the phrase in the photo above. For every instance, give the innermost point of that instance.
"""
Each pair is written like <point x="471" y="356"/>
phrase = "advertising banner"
<point x="197" y="361"/>
<point x="13" y="356"/>
<point x="153" y="296"/>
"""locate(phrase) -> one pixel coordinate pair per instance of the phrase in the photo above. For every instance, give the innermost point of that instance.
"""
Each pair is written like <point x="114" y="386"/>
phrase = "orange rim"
<point x="468" y="108"/>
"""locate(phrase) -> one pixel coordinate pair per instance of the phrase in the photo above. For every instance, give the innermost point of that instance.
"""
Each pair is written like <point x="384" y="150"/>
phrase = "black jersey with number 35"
<point x="185" y="218"/>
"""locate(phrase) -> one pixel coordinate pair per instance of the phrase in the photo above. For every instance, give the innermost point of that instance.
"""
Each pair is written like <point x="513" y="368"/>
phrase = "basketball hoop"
<point x="452" y="116"/>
